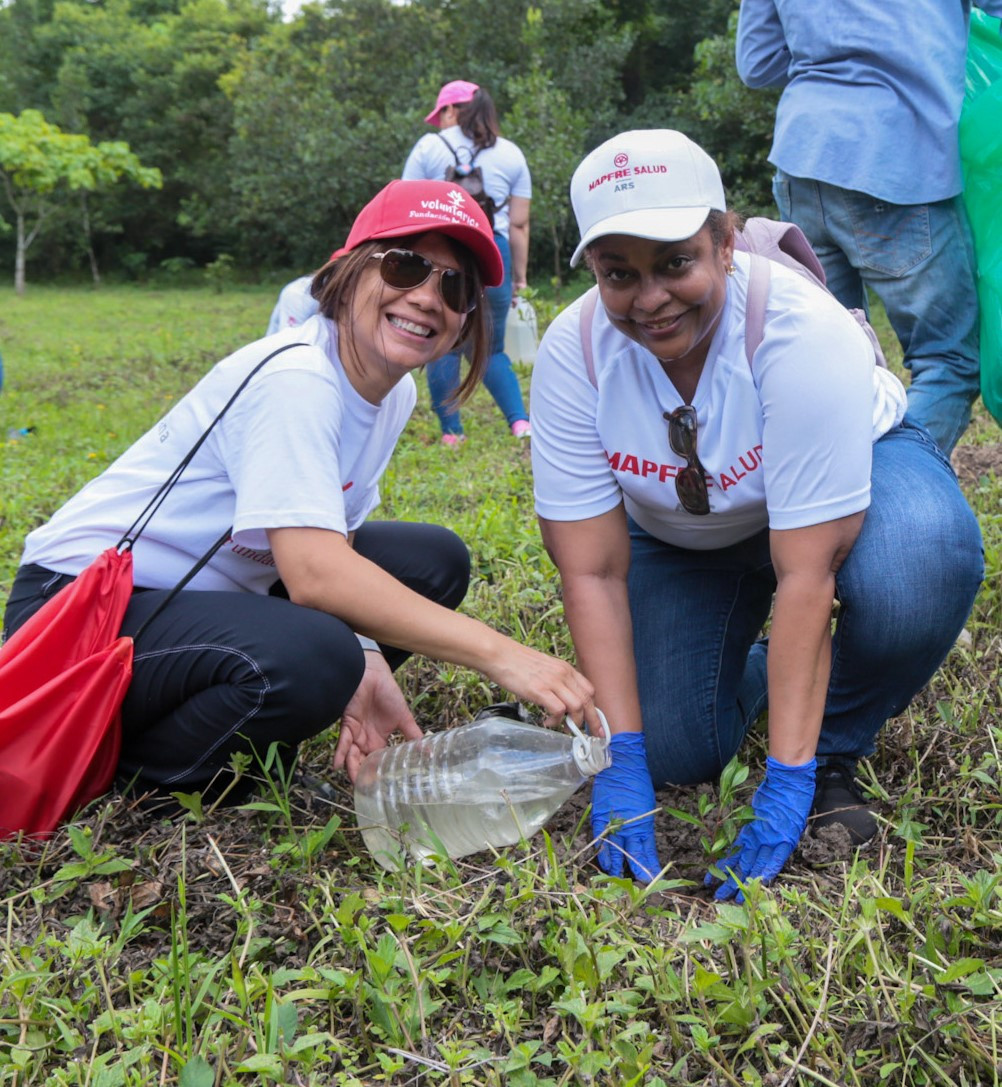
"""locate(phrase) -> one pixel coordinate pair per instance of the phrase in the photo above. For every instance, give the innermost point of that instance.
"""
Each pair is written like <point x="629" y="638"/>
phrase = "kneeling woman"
<point x="266" y="644"/>
<point x="724" y="457"/>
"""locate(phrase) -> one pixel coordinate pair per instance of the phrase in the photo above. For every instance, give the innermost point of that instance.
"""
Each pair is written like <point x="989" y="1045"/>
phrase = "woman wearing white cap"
<point x="467" y="138"/>
<point x="694" y="480"/>
<point x="301" y="614"/>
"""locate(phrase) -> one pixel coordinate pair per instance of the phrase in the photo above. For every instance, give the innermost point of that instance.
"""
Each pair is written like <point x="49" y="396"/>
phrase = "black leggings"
<point x="220" y="672"/>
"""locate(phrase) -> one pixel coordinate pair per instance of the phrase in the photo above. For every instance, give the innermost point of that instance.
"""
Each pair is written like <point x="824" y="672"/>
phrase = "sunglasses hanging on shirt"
<point x="690" y="483"/>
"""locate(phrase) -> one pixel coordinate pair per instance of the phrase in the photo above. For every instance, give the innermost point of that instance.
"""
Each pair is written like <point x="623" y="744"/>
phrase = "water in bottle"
<point x="521" y="337"/>
<point x="492" y="782"/>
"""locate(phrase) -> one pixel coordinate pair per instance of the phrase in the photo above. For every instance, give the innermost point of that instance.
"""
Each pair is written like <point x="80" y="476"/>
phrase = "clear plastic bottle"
<point x="492" y="782"/>
<point x="521" y="337"/>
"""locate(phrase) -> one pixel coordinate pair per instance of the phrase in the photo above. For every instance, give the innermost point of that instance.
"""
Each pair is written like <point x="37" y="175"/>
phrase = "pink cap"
<point x="452" y="94"/>
<point x="404" y="208"/>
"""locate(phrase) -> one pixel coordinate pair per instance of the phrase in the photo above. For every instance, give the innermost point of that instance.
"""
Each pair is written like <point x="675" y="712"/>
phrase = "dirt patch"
<point x="974" y="462"/>
<point x="232" y="852"/>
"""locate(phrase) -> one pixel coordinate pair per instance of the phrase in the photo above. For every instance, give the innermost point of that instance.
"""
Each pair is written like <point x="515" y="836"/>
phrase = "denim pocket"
<point x="892" y="238"/>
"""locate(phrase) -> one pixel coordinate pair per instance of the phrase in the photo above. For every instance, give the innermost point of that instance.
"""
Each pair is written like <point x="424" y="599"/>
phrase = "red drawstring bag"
<point x="64" y="675"/>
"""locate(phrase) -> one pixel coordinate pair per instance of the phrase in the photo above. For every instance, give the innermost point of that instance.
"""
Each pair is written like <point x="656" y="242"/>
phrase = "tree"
<point x="271" y="135"/>
<point x="552" y="134"/>
<point x="40" y="164"/>
<point x="732" y="122"/>
<point x="146" y="72"/>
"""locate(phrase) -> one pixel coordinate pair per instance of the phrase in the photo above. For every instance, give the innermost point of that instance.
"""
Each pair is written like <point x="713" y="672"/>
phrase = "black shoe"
<point x="837" y="800"/>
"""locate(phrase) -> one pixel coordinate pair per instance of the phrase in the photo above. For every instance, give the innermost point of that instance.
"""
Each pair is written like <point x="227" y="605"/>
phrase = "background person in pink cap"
<point x="301" y="616"/>
<point x="467" y="124"/>
<point x="694" y="481"/>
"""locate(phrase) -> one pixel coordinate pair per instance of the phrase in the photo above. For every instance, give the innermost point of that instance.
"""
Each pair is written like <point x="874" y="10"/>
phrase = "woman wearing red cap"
<point x="301" y="614"/>
<point x="467" y="137"/>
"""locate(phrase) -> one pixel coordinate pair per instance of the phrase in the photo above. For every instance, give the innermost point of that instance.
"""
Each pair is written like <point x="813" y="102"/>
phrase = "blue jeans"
<point x="919" y="260"/>
<point x="905" y="591"/>
<point x="500" y="378"/>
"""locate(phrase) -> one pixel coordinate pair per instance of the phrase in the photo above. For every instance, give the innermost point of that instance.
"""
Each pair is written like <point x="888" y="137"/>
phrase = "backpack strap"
<point x="783" y="242"/>
<point x="494" y="204"/>
<point x="138" y="526"/>
<point x="755" y="303"/>
<point x="455" y="153"/>
<point x="758" y="297"/>
<point x="587" y="318"/>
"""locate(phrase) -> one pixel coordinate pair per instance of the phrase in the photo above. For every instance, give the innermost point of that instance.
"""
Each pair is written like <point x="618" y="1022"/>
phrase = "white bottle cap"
<point x="591" y="753"/>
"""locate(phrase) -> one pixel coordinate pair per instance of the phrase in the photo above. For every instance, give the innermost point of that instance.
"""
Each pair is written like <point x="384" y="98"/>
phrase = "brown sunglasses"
<point x="403" y="270"/>
<point x="690" y="483"/>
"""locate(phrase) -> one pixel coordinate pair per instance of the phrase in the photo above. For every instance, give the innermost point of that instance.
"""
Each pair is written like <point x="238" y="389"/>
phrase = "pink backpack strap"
<point x="783" y="242"/>
<point x="587" y="319"/>
<point x="758" y="297"/>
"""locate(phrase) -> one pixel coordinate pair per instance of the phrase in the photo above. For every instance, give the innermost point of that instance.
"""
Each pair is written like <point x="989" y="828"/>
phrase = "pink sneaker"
<point x="453" y="439"/>
<point x="521" y="428"/>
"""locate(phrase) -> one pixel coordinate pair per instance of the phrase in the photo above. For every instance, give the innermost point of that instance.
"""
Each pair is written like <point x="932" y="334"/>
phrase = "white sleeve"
<point x="295" y="305"/>
<point x="521" y="181"/>
<point x="572" y="479"/>
<point x="814" y="371"/>
<point x="281" y="443"/>
<point x="417" y="168"/>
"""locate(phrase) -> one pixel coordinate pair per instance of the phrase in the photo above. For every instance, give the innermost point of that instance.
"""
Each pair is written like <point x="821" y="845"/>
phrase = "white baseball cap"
<point x="650" y="183"/>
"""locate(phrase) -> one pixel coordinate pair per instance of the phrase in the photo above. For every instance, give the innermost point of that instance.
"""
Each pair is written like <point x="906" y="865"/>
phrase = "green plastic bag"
<point x="981" y="158"/>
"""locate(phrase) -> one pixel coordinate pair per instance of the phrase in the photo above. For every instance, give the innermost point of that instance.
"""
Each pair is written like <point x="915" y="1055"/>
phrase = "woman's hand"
<point x="321" y="570"/>
<point x="624" y="793"/>
<point x="377" y="710"/>
<point x="781" y="804"/>
<point x="547" y="681"/>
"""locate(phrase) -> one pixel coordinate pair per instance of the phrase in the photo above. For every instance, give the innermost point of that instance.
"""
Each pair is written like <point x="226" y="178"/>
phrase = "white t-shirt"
<point x="298" y="448"/>
<point x="295" y="305"/>
<point x="785" y="443"/>
<point x="505" y="171"/>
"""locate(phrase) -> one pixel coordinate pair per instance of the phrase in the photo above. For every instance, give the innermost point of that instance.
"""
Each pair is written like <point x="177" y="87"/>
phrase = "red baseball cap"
<point x="404" y="208"/>
<point x="452" y="94"/>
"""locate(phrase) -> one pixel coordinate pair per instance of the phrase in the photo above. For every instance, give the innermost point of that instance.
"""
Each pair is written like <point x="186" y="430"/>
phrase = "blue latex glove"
<point x="624" y="791"/>
<point x="781" y="804"/>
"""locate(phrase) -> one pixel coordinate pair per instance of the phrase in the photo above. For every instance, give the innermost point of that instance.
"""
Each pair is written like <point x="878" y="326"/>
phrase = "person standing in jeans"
<point x="467" y="124"/>
<point x="868" y="166"/>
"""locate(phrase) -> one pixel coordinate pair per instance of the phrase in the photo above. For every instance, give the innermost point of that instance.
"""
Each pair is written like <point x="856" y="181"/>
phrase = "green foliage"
<point x="734" y="123"/>
<point x="93" y="379"/>
<point x="271" y="135"/>
<point x="40" y="164"/>
<point x="148" y="73"/>
<point x="540" y="106"/>
<point x="220" y="273"/>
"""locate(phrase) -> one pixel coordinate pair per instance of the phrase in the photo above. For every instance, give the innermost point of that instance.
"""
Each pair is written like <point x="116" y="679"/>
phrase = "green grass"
<point x="263" y="945"/>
